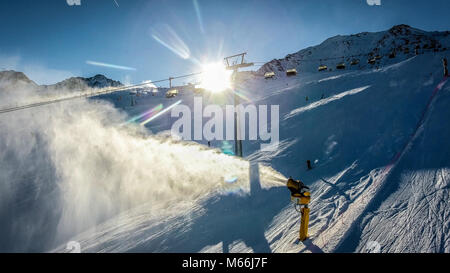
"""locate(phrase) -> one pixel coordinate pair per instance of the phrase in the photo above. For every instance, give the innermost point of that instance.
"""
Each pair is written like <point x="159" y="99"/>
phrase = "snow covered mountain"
<point x="80" y="83"/>
<point x="377" y="136"/>
<point x="17" y="80"/>
<point x="17" y="89"/>
<point x="400" y="41"/>
<point x="10" y="79"/>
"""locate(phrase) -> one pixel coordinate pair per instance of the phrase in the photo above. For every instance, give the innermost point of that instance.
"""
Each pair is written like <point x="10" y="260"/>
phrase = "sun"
<point x="215" y="77"/>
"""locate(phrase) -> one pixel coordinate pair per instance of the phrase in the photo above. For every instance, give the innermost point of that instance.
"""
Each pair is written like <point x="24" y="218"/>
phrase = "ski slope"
<point x="359" y="193"/>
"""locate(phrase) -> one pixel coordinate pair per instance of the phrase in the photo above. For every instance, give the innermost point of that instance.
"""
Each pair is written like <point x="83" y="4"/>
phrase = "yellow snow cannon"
<point x="301" y="198"/>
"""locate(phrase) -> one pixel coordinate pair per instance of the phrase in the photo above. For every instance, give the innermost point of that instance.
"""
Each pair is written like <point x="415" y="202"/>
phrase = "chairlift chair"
<point x="291" y="72"/>
<point x="171" y="93"/>
<point x="354" y="62"/>
<point x="322" y="67"/>
<point x="340" y="66"/>
<point x="269" y="75"/>
<point x="372" y="60"/>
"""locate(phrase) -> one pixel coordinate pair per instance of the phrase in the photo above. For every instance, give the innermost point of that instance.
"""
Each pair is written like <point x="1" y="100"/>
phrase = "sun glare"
<point x="215" y="77"/>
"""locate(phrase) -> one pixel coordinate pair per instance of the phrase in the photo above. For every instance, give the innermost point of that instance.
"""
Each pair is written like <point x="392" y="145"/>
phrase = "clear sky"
<point x="50" y="40"/>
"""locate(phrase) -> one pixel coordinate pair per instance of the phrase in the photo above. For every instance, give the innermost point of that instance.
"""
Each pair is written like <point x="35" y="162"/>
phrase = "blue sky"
<point x="50" y="40"/>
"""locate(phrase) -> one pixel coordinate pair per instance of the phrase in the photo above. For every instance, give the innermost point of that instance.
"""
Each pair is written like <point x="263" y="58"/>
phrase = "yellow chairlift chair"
<point x="172" y="93"/>
<point x="291" y="72"/>
<point x="322" y="67"/>
<point x="269" y="75"/>
<point x="340" y="66"/>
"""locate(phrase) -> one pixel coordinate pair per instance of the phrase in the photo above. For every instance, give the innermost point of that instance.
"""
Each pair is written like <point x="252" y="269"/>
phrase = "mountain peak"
<point x="13" y="75"/>
<point x="80" y="83"/>
<point x="16" y="77"/>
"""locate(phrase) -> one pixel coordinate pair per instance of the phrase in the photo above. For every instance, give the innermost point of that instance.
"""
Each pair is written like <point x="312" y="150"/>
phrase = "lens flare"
<point x="146" y="115"/>
<point x="167" y="37"/>
<point x="242" y="95"/>
<point x="155" y="115"/>
<point x="215" y="77"/>
<point x="199" y="15"/>
<point x="227" y="148"/>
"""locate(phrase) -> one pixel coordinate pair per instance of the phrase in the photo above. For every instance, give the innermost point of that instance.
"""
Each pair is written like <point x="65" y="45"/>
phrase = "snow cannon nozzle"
<point x="299" y="191"/>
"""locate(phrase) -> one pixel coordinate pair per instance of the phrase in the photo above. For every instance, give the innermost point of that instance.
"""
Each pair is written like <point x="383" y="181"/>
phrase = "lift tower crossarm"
<point x="237" y="66"/>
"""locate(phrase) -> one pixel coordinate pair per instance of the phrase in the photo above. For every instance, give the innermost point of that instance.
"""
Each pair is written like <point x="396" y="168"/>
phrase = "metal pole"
<point x="237" y="135"/>
<point x="235" y="67"/>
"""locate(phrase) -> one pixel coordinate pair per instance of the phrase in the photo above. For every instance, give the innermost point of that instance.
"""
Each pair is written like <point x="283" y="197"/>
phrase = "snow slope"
<point x="359" y="193"/>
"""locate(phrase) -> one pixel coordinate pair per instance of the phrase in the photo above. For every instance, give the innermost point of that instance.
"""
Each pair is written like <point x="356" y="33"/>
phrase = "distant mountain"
<point x="11" y="80"/>
<point x="391" y="46"/>
<point x="80" y="83"/>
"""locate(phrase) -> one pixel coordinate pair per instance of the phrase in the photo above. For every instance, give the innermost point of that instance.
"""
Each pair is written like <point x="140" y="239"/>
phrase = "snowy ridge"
<point x="401" y="39"/>
<point x="80" y="83"/>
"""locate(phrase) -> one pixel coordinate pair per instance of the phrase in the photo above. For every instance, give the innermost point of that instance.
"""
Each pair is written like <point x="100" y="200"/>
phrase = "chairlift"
<point x="322" y="67"/>
<point x="291" y="72"/>
<point x="172" y="93"/>
<point x="269" y="75"/>
<point x="354" y="62"/>
<point x="372" y="60"/>
<point x="340" y="66"/>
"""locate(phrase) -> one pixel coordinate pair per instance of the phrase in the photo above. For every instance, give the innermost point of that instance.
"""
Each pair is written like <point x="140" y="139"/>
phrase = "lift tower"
<point x="234" y="63"/>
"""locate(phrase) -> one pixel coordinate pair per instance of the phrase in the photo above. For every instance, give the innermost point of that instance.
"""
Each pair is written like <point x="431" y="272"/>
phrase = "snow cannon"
<point x="301" y="198"/>
<point x="299" y="193"/>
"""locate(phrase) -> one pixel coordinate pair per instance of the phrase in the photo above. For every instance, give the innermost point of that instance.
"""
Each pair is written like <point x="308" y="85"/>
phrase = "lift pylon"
<point x="239" y="62"/>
